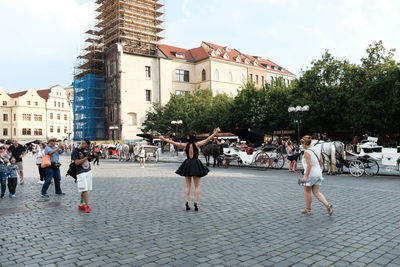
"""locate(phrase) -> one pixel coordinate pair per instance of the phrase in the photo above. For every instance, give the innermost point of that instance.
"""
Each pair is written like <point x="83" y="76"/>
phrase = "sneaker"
<point x="40" y="182"/>
<point x="2" y="196"/>
<point x="87" y="209"/>
<point x="82" y="207"/>
<point x="46" y="196"/>
<point x="13" y="196"/>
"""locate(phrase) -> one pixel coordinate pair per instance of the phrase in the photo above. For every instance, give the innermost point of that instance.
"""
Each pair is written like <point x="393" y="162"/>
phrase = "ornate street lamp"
<point x="297" y="110"/>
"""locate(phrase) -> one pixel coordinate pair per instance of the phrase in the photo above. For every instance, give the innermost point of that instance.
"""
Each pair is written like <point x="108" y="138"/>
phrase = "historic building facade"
<point x="35" y="114"/>
<point x="134" y="82"/>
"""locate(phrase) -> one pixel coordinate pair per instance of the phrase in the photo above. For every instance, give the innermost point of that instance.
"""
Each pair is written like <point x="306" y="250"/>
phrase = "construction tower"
<point x="135" y="24"/>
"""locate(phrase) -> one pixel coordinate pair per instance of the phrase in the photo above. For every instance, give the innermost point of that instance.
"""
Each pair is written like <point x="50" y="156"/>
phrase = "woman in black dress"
<point x="192" y="166"/>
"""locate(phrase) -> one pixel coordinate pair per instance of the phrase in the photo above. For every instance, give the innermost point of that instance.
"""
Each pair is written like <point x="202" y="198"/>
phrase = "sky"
<point x="40" y="39"/>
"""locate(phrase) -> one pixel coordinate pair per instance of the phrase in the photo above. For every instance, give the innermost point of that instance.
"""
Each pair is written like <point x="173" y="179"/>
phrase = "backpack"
<point x="72" y="170"/>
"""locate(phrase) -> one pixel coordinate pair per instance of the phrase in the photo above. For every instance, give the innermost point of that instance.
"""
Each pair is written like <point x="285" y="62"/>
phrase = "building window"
<point x="58" y="129"/>
<point x="26" y="117"/>
<point x="36" y="103"/>
<point x="272" y="79"/>
<point x="256" y="79"/>
<point x="58" y="104"/>
<point x="51" y="128"/>
<point x="55" y="104"/>
<point x="5" y="131"/>
<point x="62" y="105"/>
<point x="51" y="116"/>
<point x="15" y="132"/>
<point x="132" y="118"/>
<point x="15" y="118"/>
<point x="148" y="95"/>
<point x="230" y="76"/>
<point x="262" y="80"/>
<point x="58" y="117"/>
<point x="26" y="131"/>
<point x="216" y="74"/>
<point x="38" y="132"/>
<point x="251" y="77"/>
<point x="29" y="103"/>
<point x="243" y="78"/>
<point x="15" y="103"/>
<point x="4" y="103"/>
<point x="148" y="72"/>
<point x="65" y="117"/>
<point x="38" y="117"/>
<point x="182" y="75"/>
<point x="5" y="117"/>
<point x="181" y="92"/>
<point x="203" y="75"/>
<point x="65" y="129"/>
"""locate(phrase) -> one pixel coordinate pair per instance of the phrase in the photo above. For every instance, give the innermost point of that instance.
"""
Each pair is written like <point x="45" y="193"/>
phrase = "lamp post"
<point x="176" y="123"/>
<point x="297" y="110"/>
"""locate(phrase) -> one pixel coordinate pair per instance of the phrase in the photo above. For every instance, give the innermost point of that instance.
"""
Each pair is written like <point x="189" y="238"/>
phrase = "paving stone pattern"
<point x="247" y="217"/>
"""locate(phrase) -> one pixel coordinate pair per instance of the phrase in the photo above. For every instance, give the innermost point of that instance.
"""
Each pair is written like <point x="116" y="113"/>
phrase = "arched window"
<point x="132" y="118"/>
<point x="230" y="76"/>
<point x="216" y="74"/>
<point x="203" y="75"/>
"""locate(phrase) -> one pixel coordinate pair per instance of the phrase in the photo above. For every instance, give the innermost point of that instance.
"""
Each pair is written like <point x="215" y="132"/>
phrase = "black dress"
<point x="192" y="166"/>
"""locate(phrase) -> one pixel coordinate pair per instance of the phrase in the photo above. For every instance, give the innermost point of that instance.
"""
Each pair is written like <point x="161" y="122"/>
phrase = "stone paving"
<point x="247" y="217"/>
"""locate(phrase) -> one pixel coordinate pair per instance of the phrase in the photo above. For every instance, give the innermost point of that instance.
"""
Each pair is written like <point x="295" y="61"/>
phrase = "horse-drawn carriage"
<point x="131" y="152"/>
<point x="266" y="156"/>
<point x="366" y="161"/>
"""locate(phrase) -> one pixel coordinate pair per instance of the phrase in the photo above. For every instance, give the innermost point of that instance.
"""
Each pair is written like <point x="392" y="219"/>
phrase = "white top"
<point x="40" y="154"/>
<point x="316" y="170"/>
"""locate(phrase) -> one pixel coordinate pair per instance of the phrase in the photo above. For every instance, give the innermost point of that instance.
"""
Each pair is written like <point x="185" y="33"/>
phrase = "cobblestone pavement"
<point x="247" y="217"/>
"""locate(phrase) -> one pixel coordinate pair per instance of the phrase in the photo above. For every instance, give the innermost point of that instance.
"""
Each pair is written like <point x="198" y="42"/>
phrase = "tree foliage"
<point x="361" y="98"/>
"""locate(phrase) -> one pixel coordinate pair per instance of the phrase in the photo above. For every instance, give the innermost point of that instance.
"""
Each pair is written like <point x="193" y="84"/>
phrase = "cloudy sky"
<point x="40" y="39"/>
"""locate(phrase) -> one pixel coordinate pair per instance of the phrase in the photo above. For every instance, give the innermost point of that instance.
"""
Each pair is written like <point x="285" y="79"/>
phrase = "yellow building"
<point x="35" y="115"/>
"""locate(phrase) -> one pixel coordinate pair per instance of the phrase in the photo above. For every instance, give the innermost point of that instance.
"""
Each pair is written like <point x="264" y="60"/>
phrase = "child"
<point x="3" y="172"/>
<point x="12" y="177"/>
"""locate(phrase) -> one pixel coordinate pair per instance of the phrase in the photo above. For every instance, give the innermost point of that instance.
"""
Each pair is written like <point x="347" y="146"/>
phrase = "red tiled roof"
<point x="206" y="50"/>
<point x="44" y="93"/>
<point x="18" y="94"/>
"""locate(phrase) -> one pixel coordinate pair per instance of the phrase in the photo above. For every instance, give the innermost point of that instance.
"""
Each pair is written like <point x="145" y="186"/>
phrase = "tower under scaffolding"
<point x="122" y="26"/>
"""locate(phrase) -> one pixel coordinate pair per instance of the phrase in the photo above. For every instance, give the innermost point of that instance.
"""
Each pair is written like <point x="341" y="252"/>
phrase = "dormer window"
<point x="180" y="55"/>
<point x="273" y="67"/>
<point x="255" y="63"/>
<point x="279" y="68"/>
<point x="238" y="59"/>
<point x="247" y="61"/>
<point x="226" y="56"/>
<point x="228" y="49"/>
<point x="218" y="52"/>
<point x="213" y="54"/>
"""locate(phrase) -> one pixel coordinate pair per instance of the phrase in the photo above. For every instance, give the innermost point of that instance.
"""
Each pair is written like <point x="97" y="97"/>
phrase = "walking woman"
<point x="312" y="162"/>
<point x="291" y="155"/>
<point x="192" y="166"/>
<point x="142" y="156"/>
<point x="39" y="157"/>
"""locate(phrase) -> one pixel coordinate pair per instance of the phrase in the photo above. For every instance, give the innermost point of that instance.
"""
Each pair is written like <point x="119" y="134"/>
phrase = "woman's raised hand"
<point x="218" y="130"/>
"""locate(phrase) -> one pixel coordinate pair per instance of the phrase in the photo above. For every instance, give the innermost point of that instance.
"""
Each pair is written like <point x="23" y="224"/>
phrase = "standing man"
<point x="81" y="157"/>
<point x="53" y="171"/>
<point x="17" y="151"/>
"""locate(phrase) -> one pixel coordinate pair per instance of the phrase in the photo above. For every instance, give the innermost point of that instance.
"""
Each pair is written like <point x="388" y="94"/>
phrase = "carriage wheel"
<point x="356" y="168"/>
<point x="371" y="167"/>
<point x="278" y="161"/>
<point x="262" y="160"/>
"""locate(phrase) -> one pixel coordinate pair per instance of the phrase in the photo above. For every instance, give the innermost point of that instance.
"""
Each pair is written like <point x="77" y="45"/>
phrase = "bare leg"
<point x="188" y="180"/>
<point x="85" y="196"/>
<point x="197" y="181"/>
<point x="320" y="196"/>
<point x="307" y="196"/>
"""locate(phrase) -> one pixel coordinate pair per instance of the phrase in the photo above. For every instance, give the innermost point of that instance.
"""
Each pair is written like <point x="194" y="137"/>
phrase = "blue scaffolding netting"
<point x="89" y="107"/>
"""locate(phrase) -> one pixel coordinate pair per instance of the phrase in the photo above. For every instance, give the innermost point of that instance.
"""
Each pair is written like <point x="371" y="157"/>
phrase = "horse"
<point x="213" y="150"/>
<point x="123" y="150"/>
<point x="331" y="152"/>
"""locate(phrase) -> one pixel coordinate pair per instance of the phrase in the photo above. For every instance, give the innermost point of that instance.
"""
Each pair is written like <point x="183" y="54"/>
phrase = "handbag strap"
<point x="313" y="152"/>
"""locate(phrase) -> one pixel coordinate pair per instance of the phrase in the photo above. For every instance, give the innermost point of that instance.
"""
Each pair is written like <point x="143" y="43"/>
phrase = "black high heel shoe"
<point x="195" y="207"/>
<point x="187" y="206"/>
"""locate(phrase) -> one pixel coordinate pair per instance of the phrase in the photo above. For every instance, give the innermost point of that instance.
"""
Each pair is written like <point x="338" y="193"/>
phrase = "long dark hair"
<point x="191" y="137"/>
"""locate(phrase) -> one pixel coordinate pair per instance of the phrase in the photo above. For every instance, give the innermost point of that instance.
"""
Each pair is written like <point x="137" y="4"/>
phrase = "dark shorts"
<point x="292" y="158"/>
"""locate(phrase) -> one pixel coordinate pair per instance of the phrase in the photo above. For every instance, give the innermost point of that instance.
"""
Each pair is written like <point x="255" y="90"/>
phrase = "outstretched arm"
<point x="177" y="144"/>
<point x="205" y="141"/>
